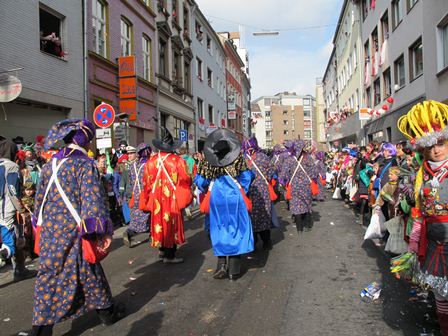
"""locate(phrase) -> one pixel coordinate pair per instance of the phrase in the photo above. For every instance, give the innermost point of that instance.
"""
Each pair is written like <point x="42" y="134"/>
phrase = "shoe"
<point x="23" y="274"/>
<point x="220" y="272"/>
<point x="188" y="213"/>
<point x="117" y="314"/>
<point x="127" y="240"/>
<point x="173" y="260"/>
<point x="233" y="277"/>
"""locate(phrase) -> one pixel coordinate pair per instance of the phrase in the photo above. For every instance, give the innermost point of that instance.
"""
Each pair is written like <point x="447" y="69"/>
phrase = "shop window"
<point x="50" y="29"/>
<point x="416" y="59"/>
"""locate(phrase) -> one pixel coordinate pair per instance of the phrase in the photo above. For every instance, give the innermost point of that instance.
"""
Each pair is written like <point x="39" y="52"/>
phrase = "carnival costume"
<point x="166" y="182"/>
<point x="426" y="125"/>
<point x="322" y="170"/>
<point x="225" y="177"/>
<point x="259" y="191"/>
<point x="70" y="207"/>
<point x="297" y="172"/>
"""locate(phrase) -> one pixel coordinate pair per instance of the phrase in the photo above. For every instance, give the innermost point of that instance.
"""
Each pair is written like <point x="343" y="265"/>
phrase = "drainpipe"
<point x="85" y="59"/>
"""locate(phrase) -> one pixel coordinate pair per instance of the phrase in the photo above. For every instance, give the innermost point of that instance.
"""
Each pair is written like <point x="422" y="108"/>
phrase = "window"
<point x="356" y="102"/>
<point x="365" y="9"/>
<point x="399" y="72"/>
<point x="268" y="114"/>
<point x="416" y="59"/>
<point x="99" y="27"/>
<point x="176" y="66"/>
<point x="306" y="102"/>
<point x="387" y="86"/>
<point x="162" y="58"/>
<point x="411" y="4"/>
<point x="210" y="114"/>
<point x="210" y="78"/>
<point x="397" y="9"/>
<point x="368" y="97"/>
<point x="200" y="108"/>
<point x="50" y="26"/>
<point x="349" y="66"/>
<point x="163" y="118"/>
<point x="146" y="55"/>
<point x="186" y="23"/>
<point x="174" y="12"/>
<point x="285" y="112"/>
<point x="198" y="29"/>
<point x="199" y="68"/>
<point x="126" y="38"/>
<point x="307" y="113"/>
<point x="444" y="45"/>
<point x="355" y="57"/>
<point x="209" y="44"/>
<point x="385" y="27"/>
<point x="285" y="122"/>
<point x="285" y="132"/>
<point x="376" y="92"/>
<point x="187" y="75"/>
<point x="307" y="134"/>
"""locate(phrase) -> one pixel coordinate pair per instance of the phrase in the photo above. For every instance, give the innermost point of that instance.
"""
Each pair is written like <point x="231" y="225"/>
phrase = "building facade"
<point x="175" y="59"/>
<point x="320" y="114"/>
<point x="392" y="36"/>
<point x="261" y="120"/>
<point x="124" y="28"/>
<point x="209" y="78"/>
<point x="234" y="84"/>
<point x="45" y="43"/>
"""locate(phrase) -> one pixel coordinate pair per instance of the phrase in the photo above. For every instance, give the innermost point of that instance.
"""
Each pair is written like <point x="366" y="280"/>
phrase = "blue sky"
<point x="290" y="61"/>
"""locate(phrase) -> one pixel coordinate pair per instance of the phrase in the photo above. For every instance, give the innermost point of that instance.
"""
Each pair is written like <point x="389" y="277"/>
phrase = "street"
<point x="306" y="285"/>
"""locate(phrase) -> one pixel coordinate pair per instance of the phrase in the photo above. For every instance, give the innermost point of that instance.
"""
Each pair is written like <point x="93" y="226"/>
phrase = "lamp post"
<point x="266" y="33"/>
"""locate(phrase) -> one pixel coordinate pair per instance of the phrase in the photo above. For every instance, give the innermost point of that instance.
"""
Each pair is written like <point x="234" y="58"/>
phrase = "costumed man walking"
<point x="322" y="170"/>
<point x="426" y="127"/>
<point x="72" y="224"/>
<point x="225" y="178"/>
<point x="139" y="219"/>
<point x="260" y="191"/>
<point x="167" y="191"/>
<point x="297" y="173"/>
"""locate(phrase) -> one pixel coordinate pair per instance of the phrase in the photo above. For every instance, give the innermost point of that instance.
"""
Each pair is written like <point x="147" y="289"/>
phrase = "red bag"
<point x="272" y="195"/>
<point x="37" y="239"/>
<point x="91" y="251"/>
<point x="288" y="194"/>
<point x="205" y="203"/>
<point x="314" y="188"/>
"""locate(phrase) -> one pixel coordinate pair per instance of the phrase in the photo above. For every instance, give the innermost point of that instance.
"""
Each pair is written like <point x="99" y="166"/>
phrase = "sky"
<point x="290" y="61"/>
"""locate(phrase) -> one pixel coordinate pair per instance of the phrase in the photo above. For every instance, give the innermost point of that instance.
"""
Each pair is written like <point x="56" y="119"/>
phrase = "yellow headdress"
<point x="425" y="123"/>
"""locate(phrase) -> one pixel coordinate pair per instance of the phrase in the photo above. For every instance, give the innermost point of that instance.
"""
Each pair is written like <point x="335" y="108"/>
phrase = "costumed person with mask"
<point x="139" y="219"/>
<point x="11" y="209"/>
<point x="167" y="191"/>
<point x="261" y="191"/>
<point x="32" y="168"/>
<point x="297" y="174"/>
<point x="71" y="218"/>
<point x="426" y="127"/>
<point x="225" y="178"/>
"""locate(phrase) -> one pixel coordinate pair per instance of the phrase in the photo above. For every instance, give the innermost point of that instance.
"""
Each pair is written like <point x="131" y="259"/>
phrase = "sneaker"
<point x="173" y="260"/>
<point x="127" y="240"/>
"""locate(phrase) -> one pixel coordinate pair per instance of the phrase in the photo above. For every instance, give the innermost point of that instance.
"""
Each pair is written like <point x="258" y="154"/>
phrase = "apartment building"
<point x="209" y="79"/>
<point x="124" y="29"/>
<point x="261" y="117"/>
<point x="320" y="114"/>
<point x="42" y="43"/>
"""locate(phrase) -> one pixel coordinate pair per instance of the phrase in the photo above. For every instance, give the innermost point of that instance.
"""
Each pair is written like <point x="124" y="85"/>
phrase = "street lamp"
<point x="266" y="33"/>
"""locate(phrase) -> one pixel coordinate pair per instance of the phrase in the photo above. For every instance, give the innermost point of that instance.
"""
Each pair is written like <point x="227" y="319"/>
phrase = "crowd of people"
<point x="62" y="205"/>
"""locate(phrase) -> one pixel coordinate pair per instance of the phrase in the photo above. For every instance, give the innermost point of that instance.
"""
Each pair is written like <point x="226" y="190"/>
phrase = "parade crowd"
<point x="60" y="202"/>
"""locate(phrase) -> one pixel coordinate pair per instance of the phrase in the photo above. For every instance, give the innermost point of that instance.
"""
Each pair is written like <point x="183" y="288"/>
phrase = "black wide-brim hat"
<point x="167" y="143"/>
<point x="222" y="147"/>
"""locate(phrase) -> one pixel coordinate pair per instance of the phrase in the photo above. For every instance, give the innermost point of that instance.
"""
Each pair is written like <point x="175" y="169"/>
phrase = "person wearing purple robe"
<point x="297" y="171"/>
<point x="261" y="215"/>
<point x="70" y="204"/>
<point x="140" y="220"/>
<point x="322" y="170"/>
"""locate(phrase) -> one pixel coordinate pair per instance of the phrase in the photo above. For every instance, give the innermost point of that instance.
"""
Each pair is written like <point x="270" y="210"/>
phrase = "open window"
<point x="50" y="31"/>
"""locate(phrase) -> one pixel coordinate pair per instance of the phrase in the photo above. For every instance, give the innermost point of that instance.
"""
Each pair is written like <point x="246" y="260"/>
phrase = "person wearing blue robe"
<point x="222" y="175"/>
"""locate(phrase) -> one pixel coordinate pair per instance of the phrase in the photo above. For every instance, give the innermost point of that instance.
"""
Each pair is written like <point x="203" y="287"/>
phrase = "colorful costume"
<point x="322" y="171"/>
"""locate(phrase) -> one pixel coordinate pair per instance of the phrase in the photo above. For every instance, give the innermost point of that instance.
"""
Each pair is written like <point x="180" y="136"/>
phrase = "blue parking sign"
<point x="183" y="135"/>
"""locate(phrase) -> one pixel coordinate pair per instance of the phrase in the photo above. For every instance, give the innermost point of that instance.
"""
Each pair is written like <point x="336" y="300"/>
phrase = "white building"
<point x="209" y="78"/>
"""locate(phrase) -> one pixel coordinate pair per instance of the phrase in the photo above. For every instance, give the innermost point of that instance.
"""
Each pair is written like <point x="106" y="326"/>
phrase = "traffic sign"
<point x="104" y="115"/>
<point x="183" y="135"/>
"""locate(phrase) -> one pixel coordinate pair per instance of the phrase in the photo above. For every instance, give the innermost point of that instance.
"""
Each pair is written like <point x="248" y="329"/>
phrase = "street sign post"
<point x="183" y="135"/>
<point x="104" y="115"/>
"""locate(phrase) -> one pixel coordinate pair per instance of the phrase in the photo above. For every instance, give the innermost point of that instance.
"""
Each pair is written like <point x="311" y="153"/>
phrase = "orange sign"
<point x="129" y="107"/>
<point x="364" y="113"/>
<point x="126" y="66"/>
<point x="128" y="87"/>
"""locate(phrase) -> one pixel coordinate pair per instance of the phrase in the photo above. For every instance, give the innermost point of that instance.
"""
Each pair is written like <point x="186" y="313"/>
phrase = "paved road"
<point x="306" y="285"/>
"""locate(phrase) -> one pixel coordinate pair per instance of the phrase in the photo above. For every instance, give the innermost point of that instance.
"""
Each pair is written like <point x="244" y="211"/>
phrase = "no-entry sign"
<point x="104" y="115"/>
